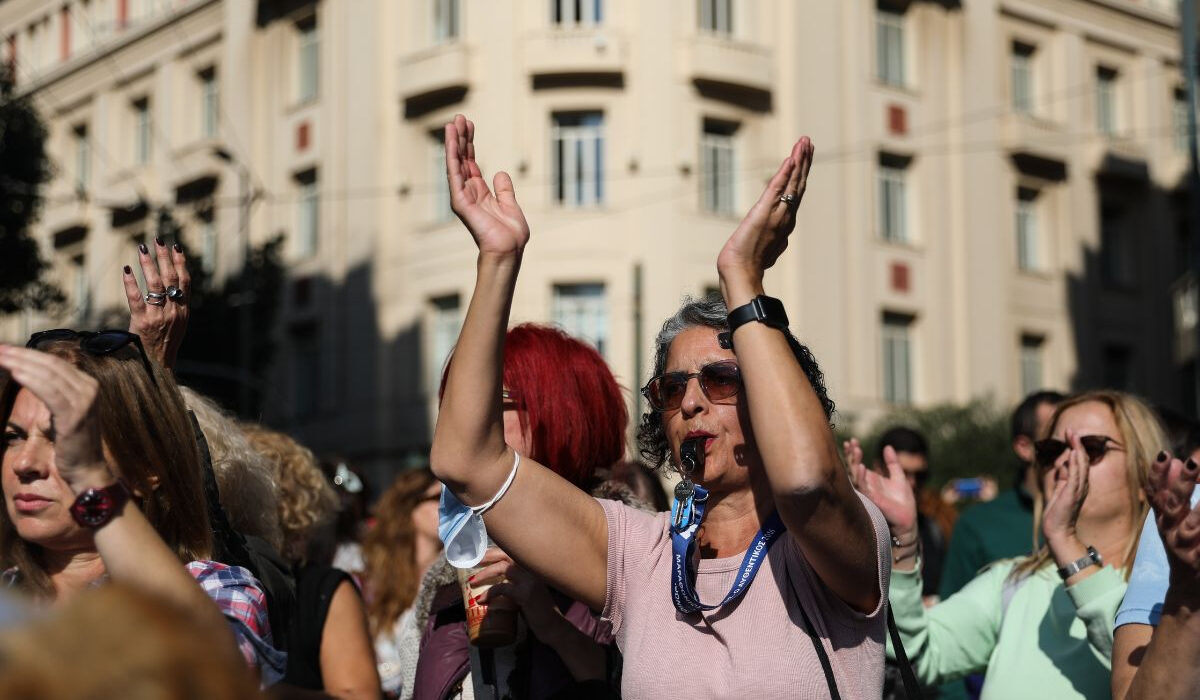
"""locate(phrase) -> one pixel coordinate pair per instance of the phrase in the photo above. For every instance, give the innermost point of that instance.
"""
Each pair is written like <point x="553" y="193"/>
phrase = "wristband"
<point x="762" y="308"/>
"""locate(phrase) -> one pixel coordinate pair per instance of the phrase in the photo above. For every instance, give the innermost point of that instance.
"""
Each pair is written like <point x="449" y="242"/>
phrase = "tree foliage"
<point x="965" y="440"/>
<point x="24" y="168"/>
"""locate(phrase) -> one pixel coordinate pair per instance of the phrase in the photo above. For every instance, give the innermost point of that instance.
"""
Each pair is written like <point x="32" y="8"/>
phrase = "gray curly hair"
<point x="709" y="312"/>
<point x="245" y="479"/>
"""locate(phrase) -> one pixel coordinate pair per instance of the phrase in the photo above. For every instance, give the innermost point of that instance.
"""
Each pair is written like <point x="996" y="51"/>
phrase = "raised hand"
<point x="763" y="234"/>
<point x="891" y="494"/>
<point x="1169" y="491"/>
<point x="1065" y="487"/>
<point x="71" y="396"/>
<point x="492" y="216"/>
<point x="160" y="321"/>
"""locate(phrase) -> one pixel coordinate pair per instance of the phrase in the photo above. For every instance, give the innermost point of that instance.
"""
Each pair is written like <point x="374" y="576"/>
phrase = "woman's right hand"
<point x="1169" y="491"/>
<point x="495" y="220"/>
<point x="890" y="493"/>
<point x="71" y="397"/>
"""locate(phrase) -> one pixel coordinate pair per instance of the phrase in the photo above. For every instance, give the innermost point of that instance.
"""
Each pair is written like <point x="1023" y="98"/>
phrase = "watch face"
<point x="93" y="508"/>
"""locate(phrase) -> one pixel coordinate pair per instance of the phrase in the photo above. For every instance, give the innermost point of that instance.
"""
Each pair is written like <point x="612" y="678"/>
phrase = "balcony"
<point x="732" y="70"/>
<point x="584" y="51"/>
<point x="1028" y="138"/>
<point x="441" y="70"/>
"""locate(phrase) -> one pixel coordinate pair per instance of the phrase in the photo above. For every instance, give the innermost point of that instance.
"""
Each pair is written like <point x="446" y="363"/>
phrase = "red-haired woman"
<point x="562" y="406"/>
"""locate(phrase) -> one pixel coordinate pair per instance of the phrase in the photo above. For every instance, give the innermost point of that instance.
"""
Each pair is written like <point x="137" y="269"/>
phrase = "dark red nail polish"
<point x="144" y="250"/>
<point x="1162" y="456"/>
<point x="158" y="241"/>
<point x="128" y="270"/>
<point x="1190" y="465"/>
<point x="178" y="248"/>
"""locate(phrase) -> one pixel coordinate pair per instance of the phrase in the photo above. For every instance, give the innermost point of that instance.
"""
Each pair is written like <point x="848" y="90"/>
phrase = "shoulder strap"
<point x="826" y="666"/>
<point x="912" y="689"/>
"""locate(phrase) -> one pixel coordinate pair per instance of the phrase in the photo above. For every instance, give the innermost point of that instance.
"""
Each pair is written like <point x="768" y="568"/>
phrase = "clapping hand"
<point x="891" y="493"/>
<point x="160" y="316"/>
<point x="763" y="235"/>
<point x="1169" y="491"/>
<point x="494" y="218"/>
<point x="71" y="397"/>
<point x="1065" y="486"/>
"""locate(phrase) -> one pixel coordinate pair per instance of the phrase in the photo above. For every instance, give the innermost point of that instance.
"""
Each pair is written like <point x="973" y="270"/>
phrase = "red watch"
<point x="95" y="507"/>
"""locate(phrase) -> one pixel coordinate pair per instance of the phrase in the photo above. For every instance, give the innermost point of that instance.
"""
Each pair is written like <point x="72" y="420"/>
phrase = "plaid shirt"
<point x="241" y="599"/>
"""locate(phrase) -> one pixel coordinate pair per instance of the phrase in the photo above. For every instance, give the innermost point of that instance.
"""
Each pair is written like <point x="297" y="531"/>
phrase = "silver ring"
<point x="155" y="298"/>
<point x="788" y="198"/>
<point x="175" y="294"/>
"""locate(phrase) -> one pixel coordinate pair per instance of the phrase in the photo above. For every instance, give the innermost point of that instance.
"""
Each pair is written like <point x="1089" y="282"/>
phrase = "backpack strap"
<point x="912" y="689"/>
<point x="826" y="666"/>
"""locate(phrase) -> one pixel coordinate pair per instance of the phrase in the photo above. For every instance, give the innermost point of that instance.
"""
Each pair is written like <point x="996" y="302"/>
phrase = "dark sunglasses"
<point x="1047" y="452"/>
<point x="93" y="343"/>
<point x="718" y="380"/>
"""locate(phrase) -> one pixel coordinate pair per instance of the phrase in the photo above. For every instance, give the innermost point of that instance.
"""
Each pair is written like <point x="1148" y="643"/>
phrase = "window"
<point x="309" y="59"/>
<point x="142" y="142"/>
<point x="897" y="358"/>
<point x="1028" y="244"/>
<point x="209" y="104"/>
<point x="1179" y="120"/>
<point x="307" y="214"/>
<point x="566" y="13"/>
<point x="717" y="16"/>
<point x="440" y="208"/>
<point x="81" y="292"/>
<point x="209" y="243"/>
<point x="1106" y="101"/>
<point x="717" y="167"/>
<point x="1022" y="78"/>
<point x="577" y="145"/>
<point x="445" y="324"/>
<point x="893" y="198"/>
<point x="889" y="46"/>
<point x="1031" y="364"/>
<point x="306" y="370"/>
<point x="582" y="311"/>
<point x="1117" y="254"/>
<point x="83" y="158"/>
<point x="445" y="20"/>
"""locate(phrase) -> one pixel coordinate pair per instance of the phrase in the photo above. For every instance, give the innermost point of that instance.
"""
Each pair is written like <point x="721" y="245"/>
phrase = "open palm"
<point x="890" y="493"/>
<point x="493" y="216"/>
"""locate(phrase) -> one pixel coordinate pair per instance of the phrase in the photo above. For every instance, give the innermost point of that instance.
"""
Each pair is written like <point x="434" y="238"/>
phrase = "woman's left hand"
<point x="520" y="586"/>
<point x="763" y="235"/>
<point x="163" y="323"/>
<point x="71" y="397"/>
<point x="1065" y="487"/>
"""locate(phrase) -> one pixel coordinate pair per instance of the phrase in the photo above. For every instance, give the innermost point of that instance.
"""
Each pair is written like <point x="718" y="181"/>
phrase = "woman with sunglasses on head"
<point x="780" y="530"/>
<point x="102" y="480"/>
<point x="1041" y="625"/>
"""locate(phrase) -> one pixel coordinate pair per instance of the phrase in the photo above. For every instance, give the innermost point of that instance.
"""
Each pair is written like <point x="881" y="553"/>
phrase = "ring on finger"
<point x="175" y="294"/>
<point x="155" y="298"/>
<point x="789" y="199"/>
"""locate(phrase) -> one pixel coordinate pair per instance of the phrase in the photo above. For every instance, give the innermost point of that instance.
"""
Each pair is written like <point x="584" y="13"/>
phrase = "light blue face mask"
<point x="461" y="528"/>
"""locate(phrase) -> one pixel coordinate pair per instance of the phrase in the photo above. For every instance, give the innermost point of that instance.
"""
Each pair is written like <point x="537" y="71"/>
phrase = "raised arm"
<point x="543" y="522"/>
<point x="160" y="316"/>
<point x="1159" y="662"/>
<point x="794" y="439"/>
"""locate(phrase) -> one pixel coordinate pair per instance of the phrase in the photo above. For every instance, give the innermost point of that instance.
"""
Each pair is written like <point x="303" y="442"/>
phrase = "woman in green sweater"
<point x="1041" y="625"/>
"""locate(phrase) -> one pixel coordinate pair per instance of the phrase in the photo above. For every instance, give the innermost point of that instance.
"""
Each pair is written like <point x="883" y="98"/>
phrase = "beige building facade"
<point x="995" y="204"/>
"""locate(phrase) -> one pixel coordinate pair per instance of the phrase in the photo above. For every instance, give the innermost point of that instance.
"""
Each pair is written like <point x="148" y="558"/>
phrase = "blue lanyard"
<point x="687" y="511"/>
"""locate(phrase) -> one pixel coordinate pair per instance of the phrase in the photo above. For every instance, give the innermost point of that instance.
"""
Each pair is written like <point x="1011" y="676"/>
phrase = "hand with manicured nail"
<point x="1169" y="491"/>
<point x="161" y="326"/>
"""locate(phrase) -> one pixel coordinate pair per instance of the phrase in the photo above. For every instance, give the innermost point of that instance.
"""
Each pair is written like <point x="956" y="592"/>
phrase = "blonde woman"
<point x="1041" y="625"/>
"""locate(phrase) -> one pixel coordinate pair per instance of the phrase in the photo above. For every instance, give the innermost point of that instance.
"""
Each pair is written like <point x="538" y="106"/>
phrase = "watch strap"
<point x="1092" y="557"/>
<point x="761" y="308"/>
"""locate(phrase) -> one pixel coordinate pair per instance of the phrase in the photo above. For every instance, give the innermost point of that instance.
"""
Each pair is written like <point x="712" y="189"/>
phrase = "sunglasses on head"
<point x="1047" y="451"/>
<point x="718" y="380"/>
<point x="94" y="343"/>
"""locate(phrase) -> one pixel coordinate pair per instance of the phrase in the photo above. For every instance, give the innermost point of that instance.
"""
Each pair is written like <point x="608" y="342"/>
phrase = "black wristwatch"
<point x="95" y="507"/>
<point x="761" y="308"/>
<point x="1092" y="557"/>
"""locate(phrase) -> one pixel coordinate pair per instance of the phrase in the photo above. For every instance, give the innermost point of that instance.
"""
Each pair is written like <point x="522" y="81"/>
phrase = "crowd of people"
<point x="154" y="546"/>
